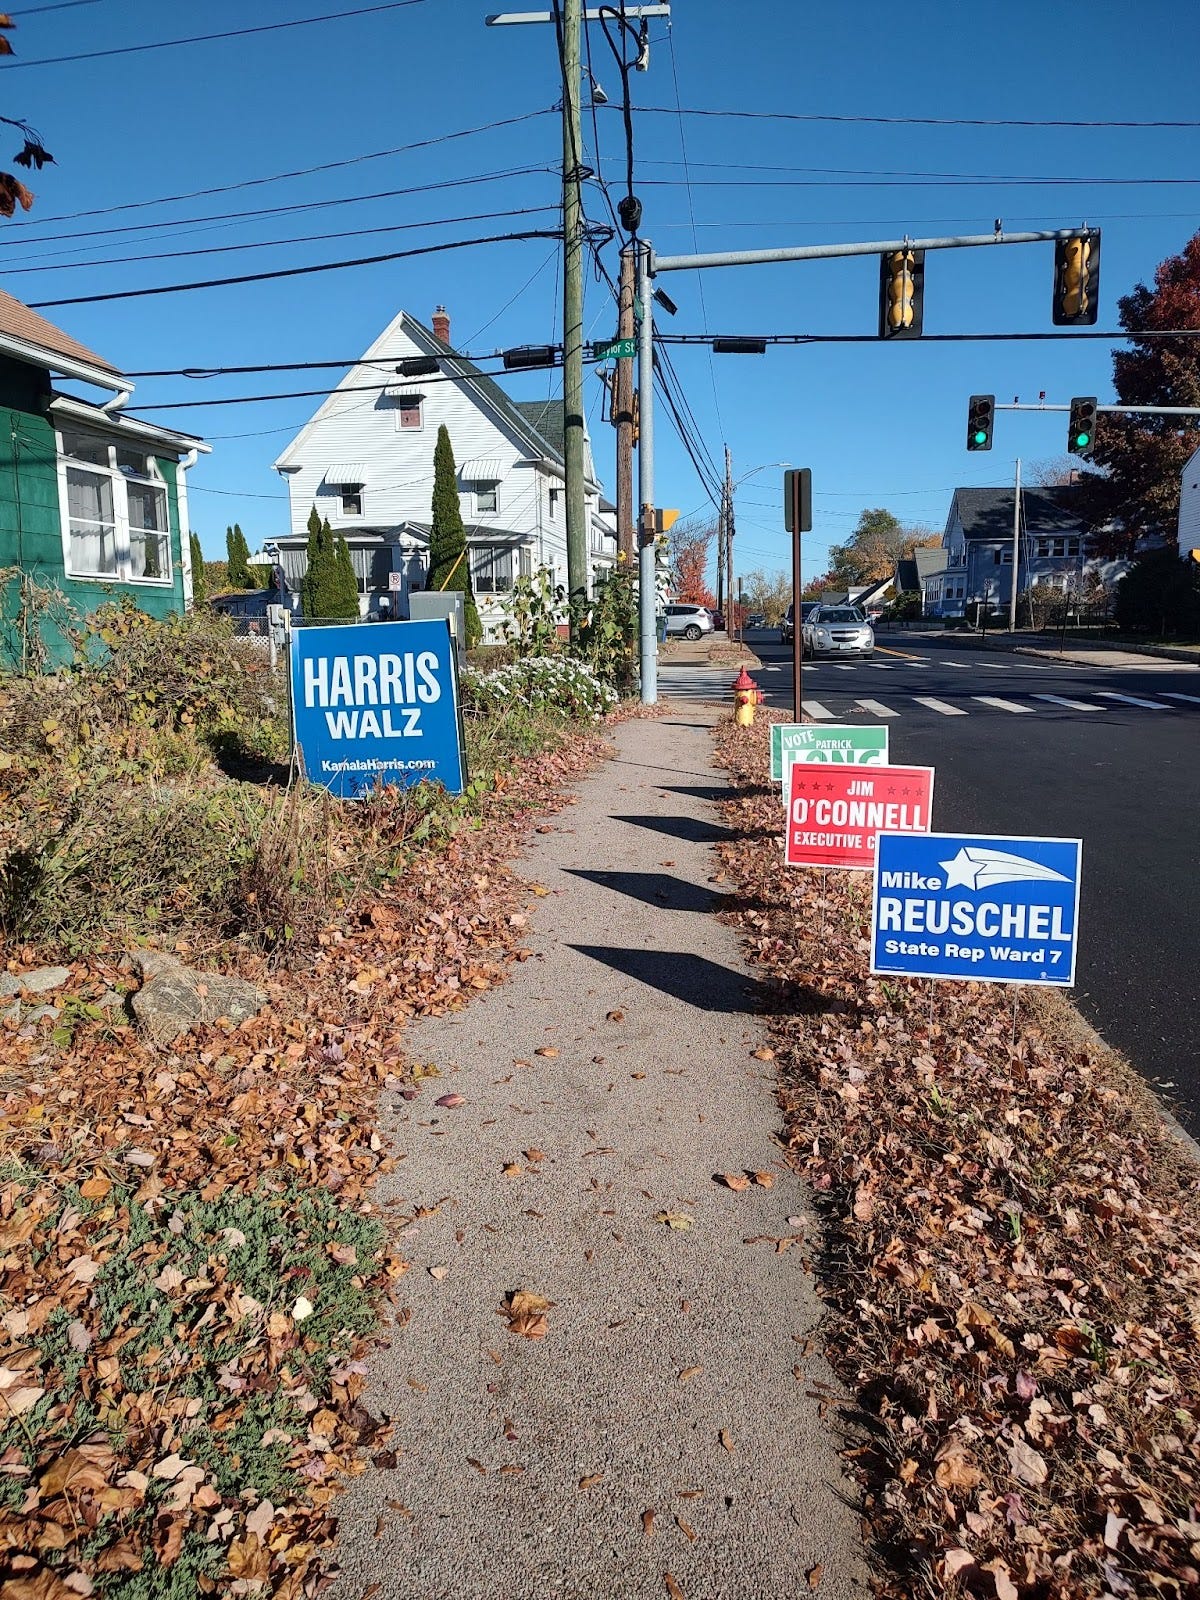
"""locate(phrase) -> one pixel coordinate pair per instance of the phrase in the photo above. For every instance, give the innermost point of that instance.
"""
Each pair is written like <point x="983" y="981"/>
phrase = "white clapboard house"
<point x="365" y="460"/>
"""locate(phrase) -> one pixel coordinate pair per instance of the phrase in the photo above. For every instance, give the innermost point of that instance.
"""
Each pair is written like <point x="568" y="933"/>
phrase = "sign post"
<point x="835" y="812"/>
<point x="797" y="519"/>
<point x="957" y="905"/>
<point x="839" y="744"/>
<point x="377" y="705"/>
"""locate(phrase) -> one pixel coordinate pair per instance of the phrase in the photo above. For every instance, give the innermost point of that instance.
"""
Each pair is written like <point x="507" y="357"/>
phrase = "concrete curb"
<point x="1149" y="652"/>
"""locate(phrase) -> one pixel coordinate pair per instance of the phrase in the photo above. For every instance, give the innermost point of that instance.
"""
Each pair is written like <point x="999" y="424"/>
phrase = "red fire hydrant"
<point x="746" y="695"/>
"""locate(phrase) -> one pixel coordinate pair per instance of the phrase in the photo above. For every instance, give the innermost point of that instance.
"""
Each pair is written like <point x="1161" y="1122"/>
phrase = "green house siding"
<point x="31" y="533"/>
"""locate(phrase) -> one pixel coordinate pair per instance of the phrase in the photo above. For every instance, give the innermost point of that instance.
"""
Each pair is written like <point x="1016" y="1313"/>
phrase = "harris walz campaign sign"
<point x="377" y="704"/>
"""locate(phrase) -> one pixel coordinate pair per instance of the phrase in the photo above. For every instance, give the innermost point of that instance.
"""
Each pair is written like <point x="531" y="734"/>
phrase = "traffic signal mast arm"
<point x="1136" y="411"/>
<point x="822" y="252"/>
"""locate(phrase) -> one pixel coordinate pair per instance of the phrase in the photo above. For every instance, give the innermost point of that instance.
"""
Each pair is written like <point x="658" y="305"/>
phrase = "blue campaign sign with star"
<point x="956" y="905"/>
<point x="377" y="704"/>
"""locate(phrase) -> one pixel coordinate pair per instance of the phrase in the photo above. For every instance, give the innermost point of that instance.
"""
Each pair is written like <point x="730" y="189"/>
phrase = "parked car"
<point x="718" y="619"/>
<point x="690" y="621"/>
<point x="786" y="627"/>
<point x="837" y="631"/>
<point x="756" y="620"/>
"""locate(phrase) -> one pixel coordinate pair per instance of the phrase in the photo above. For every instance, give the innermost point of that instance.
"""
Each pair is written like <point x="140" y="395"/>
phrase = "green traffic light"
<point x="1083" y="440"/>
<point x="980" y="436"/>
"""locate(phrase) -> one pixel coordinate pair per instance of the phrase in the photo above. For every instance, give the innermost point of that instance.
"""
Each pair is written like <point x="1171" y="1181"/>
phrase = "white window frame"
<point x="408" y="403"/>
<point x="118" y="480"/>
<point x="351" y="491"/>
<point x="484" y="489"/>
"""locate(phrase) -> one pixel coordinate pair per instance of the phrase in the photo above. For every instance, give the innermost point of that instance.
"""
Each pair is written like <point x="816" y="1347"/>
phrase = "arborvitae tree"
<point x="347" y="583"/>
<point x="240" y="574"/>
<point x="317" y="587"/>
<point x="448" y="568"/>
<point x="199" y="576"/>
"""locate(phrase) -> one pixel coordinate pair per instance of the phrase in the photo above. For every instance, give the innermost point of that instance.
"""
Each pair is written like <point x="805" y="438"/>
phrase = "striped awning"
<point x="352" y="472"/>
<point x="482" y="469"/>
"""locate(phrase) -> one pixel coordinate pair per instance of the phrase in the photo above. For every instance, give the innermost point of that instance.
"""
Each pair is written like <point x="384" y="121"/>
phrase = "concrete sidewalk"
<point x="667" y="1422"/>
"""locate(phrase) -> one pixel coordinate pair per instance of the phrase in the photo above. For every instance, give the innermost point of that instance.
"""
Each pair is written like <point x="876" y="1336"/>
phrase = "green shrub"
<point x="555" y="686"/>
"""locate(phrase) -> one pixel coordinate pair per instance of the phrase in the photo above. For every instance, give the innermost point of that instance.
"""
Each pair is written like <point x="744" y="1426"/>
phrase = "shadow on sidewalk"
<point x="696" y="830"/>
<point x="702" y="983"/>
<point x="654" y="888"/>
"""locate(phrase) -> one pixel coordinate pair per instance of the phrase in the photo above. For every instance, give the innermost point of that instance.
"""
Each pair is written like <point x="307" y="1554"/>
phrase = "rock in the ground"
<point x="40" y="981"/>
<point x="174" y="998"/>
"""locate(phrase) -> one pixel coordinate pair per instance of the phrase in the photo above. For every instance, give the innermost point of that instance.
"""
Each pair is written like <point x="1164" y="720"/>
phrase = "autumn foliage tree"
<point x="32" y="153"/>
<point x="1143" y="457"/>
<point x="690" y="543"/>
<point x="875" y="546"/>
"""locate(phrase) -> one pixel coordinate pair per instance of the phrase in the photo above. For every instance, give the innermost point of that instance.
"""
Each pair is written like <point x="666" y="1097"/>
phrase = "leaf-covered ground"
<point x="1012" y="1252"/>
<point x="189" y="1255"/>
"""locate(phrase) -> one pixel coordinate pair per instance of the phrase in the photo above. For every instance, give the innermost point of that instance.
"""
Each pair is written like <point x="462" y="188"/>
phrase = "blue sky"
<point x="879" y="424"/>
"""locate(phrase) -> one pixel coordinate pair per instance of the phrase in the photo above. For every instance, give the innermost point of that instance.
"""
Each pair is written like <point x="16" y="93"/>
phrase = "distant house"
<point x="918" y="574"/>
<point x="1189" y="506"/>
<point x="93" y="503"/>
<point x="978" y="542"/>
<point x="365" y="460"/>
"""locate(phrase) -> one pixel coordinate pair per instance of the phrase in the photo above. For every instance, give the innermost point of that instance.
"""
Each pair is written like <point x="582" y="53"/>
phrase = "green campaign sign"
<point x="841" y="745"/>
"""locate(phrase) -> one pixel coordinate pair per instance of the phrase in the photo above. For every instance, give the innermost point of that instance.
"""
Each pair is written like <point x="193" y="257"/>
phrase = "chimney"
<point x="441" y="325"/>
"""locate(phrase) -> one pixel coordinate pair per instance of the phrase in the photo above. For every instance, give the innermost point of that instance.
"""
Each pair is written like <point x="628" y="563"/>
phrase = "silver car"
<point x="690" y="621"/>
<point x="837" y="631"/>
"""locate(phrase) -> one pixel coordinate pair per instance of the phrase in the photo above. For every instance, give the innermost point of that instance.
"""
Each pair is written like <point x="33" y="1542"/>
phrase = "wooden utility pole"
<point x="623" y="409"/>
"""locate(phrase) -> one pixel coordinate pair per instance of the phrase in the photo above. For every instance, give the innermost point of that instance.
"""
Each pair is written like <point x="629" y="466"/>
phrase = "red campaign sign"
<point x="834" y="812"/>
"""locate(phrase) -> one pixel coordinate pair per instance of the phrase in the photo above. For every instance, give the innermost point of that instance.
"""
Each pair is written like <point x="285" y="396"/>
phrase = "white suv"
<point x="690" y="621"/>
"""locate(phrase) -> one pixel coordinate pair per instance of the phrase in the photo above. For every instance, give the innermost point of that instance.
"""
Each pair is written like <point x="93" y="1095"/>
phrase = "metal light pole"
<point x="647" y="586"/>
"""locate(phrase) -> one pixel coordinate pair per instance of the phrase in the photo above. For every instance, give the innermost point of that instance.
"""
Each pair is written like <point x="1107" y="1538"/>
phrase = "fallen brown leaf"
<point x="815" y="1574"/>
<point x="690" y="1372"/>
<point x="732" y="1180"/>
<point x="591" y="1480"/>
<point x="765" y="1180"/>
<point x="686" y="1529"/>
<point x="726" y="1440"/>
<point x="546" y="1050"/>
<point x="647" y="1522"/>
<point x="673" y="1588"/>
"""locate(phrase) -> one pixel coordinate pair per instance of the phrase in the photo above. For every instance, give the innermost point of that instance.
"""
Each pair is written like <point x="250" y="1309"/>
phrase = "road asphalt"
<point x="1097" y="748"/>
<point x="668" y="1422"/>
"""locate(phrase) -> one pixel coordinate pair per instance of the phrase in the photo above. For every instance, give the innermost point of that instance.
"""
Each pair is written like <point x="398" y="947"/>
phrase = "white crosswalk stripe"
<point x="814" y="708"/>
<point x="1072" y="705"/>
<point x="881" y="666"/>
<point x="1002" y="705"/>
<point x="1132" y="699"/>
<point x="939" y="705"/>
<point x="876" y="710"/>
<point x="840" y="666"/>
<point x="963" y="666"/>
<point x="1170" y="694"/>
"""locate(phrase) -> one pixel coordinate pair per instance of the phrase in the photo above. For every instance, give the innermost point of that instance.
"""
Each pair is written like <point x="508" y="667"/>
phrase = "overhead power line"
<point x="925" y="122"/>
<point x="295" y="272"/>
<point x="927" y="338"/>
<point x="207" y="38"/>
<point x="281" y="177"/>
<point x="273" y="244"/>
<point x="232" y="218"/>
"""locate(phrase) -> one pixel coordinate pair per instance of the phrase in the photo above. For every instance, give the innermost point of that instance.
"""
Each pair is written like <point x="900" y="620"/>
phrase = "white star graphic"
<point x="961" y="870"/>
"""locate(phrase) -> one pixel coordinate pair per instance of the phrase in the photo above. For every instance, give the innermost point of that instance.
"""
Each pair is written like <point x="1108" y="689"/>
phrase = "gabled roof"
<point x="526" y="419"/>
<point x="988" y="513"/>
<point x="19" y="321"/>
<point x="548" y="418"/>
<point x="928" y="563"/>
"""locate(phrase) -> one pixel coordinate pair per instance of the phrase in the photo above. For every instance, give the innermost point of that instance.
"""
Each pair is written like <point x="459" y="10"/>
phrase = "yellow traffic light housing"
<point x="1195" y="555"/>
<point x="665" y="519"/>
<point x="1077" y="280"/>
<point x="901" y="294"/>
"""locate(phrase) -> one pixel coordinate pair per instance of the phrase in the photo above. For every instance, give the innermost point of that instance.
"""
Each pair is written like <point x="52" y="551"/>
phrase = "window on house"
<point x="1057" y="547"/>
<point x="493" y="567"/>
<point x="372" y="566"/>
<point x="554" y="494"/>
<point x="352" y="500"/>
<point x="486" y="493"/>
<point x="115" y="504"/>
<point x="408" y="411"/>
<point x="1006" y="557"/>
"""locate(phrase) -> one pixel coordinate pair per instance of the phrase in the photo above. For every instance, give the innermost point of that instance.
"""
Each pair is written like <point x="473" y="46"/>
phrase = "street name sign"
<point x="956" y="905"/>
<point x="835" y="812"/>
<point x="790" y="741"/>
<point x="615" y="350"/>
<point x="377" y="704"/>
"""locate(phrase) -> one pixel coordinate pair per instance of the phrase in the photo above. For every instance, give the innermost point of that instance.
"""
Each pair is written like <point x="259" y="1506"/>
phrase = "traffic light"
<point x="1081" y="430"/>
<point x="665" y="518"/>
<point x="1195" y="555"/>
<point x="797" y="500"/>
<point x="901" y="294"/>
<point x="1076" y="280"/>
<point x="981" y="411"/>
